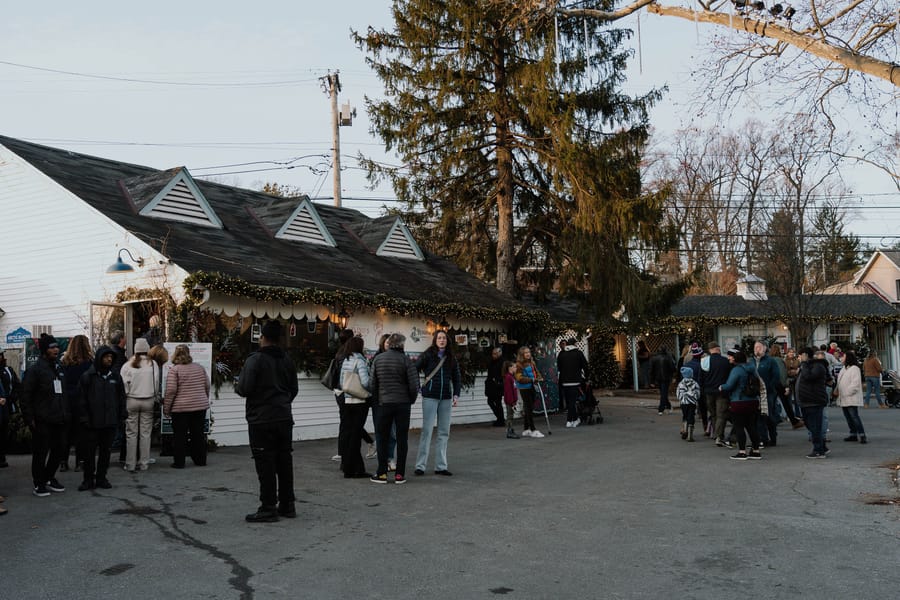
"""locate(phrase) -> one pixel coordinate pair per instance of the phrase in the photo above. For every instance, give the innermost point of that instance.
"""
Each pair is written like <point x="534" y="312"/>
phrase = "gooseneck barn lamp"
<point x="121" y="267"/>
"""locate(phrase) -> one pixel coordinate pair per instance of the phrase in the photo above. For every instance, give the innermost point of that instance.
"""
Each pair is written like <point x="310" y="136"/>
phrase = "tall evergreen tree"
<point x="521" y="153"/>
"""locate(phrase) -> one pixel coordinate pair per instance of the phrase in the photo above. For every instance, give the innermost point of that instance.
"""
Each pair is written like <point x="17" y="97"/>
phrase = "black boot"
<point x="690" y="433"/>
<point x="511" y="433"/>
<point x="263" y="514"/>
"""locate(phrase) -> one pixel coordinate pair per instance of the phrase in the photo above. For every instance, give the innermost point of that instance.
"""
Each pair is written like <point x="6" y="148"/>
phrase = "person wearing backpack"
<point x="743" y="388"/>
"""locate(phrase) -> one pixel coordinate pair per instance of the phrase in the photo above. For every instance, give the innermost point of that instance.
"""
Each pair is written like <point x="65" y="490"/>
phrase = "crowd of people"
<point x="92" y="400"/>
<point x="753" y="392"/>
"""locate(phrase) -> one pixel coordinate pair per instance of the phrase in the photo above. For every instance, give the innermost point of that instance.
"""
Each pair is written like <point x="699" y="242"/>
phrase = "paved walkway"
<point x="625" y="509"/>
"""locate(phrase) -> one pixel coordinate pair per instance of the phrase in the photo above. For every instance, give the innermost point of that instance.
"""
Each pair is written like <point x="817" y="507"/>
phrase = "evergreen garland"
<point x="234" y="286"/>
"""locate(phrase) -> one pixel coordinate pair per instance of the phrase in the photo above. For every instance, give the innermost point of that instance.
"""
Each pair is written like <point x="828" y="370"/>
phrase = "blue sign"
<point x="17" y="336"/>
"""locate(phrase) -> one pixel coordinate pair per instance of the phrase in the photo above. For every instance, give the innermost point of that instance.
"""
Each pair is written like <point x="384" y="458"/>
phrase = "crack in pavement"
<point x="241" y="575"/>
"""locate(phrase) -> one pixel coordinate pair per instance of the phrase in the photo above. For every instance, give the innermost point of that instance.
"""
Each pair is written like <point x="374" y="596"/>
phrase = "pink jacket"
<point x="187" y="389"/>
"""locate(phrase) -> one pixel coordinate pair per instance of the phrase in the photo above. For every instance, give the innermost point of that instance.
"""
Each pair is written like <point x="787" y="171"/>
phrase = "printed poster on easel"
<point x="201" y="352"/>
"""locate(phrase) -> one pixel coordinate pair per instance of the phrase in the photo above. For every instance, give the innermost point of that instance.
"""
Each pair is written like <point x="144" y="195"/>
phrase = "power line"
<point x="158" y="82"/>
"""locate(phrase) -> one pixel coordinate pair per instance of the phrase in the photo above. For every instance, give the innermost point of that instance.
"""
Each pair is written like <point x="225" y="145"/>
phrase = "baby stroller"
<point x="890" y="385"/>
<point x="587" y="407"/>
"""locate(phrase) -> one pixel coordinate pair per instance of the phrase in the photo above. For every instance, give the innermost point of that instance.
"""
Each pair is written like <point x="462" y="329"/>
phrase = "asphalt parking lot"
<point x="625" y="509"/>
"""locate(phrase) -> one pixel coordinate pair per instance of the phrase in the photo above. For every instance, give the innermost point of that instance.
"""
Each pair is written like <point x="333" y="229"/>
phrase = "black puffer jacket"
<point x="811" y="382"/>
<point x="269" y="383"/>
<point x="40" y="401"/>
<point x="395" y="378"/>
<point x="101" y="394"/>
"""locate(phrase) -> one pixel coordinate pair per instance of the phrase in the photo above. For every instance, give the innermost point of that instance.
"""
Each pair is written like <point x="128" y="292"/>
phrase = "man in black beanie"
<point x="45" y="411"/>
<point x="269" y="383"/>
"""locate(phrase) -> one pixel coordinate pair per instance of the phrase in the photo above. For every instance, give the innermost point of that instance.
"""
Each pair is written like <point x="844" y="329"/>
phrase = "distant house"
<point x="880" y="276"/>
<point x="840" y="317"/>
<point x="214" y="262"/>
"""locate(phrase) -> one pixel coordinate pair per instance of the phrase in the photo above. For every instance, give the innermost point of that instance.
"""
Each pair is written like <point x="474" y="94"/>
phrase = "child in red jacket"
<point x="510" y="397"/>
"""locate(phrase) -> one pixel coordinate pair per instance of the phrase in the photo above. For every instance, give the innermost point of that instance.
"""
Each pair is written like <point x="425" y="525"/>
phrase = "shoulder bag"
<point x="352" y="385"/>
<point x="431" y="375"/>
<point x="328" y="376"/>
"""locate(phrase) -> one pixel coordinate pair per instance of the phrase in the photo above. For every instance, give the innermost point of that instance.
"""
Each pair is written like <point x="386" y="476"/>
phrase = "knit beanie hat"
<point x="45" y="342"/>
<point x="687" y="373"/>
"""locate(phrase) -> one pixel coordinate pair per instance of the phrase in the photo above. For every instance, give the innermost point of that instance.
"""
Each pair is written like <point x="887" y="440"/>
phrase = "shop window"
<point x="840" y="333"/>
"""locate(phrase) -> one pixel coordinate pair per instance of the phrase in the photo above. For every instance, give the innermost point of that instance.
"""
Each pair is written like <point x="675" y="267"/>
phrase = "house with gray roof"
<point x="213" y="262"/>
<point x="836" y="317"/>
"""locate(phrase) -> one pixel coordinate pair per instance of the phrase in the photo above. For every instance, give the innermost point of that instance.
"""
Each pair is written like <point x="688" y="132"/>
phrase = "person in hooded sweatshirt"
<point x="269" y="383"/>
<point x="45" y="411"/>
<point x="102" y="405"/>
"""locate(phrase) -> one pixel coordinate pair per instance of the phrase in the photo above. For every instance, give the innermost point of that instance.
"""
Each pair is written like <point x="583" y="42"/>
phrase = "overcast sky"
<point x="232" y="89"/>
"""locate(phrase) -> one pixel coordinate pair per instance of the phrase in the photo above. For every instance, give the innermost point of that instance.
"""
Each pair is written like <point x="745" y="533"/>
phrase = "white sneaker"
<point x="569" y="424"/>
<point x="526" y="433"/>
<point x="392" y="465"/>
<point x="336" y="457"/>
<point x="576" y="423"/>
<point x="536" y="434"/>
<point x="372" y="452"/>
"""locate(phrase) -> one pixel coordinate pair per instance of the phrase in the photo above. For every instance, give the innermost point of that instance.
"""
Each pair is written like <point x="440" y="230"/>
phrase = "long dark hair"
<point x="850" y="359"/>
<point x="384" y="337"/>
<point x="433" y="348"/>
<point x="355" y="345"/>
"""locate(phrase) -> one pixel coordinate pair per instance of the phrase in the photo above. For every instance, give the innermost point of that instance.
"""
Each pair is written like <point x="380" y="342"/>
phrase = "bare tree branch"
<point x="753" y="22"/>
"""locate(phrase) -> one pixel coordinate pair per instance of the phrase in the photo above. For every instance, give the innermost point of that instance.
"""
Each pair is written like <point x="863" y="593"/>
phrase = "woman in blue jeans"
<point x="440" y="393"/>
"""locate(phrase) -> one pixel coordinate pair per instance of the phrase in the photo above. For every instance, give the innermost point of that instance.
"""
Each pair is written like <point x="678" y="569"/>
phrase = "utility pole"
<point x="331" y="84"/>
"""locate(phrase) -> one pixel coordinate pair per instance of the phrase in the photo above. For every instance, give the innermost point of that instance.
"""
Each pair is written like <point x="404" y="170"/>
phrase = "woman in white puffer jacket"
<point x="850" y="396"/>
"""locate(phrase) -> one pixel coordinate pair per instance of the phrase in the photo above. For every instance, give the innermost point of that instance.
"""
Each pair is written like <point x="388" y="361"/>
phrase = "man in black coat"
<point x="572" y="368"/>
<point x="269" y="383"/>
<point x="715" y="373"/>
<point x="662" y="368"/>
<point x="812" y="395"/>
<point x="46" y="411"/>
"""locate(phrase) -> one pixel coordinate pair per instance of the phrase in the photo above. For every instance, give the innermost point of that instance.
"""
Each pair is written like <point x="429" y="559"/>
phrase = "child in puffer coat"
<point x="510" y="397"/>
<point x="688" y="394"/>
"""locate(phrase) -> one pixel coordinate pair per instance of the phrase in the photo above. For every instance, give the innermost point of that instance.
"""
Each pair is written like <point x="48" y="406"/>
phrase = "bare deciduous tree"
<point x="824" y="57"/>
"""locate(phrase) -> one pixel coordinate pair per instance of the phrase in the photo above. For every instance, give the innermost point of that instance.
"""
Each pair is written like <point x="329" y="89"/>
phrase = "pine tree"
<point x="605" y="371"/>
<point x="521" y="154"/>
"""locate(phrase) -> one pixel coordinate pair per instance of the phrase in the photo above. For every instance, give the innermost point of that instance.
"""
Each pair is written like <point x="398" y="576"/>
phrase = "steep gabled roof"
<point x="294" y="219"/>
<point x="891" y="255"/>
<point x="389" y="236"/>
<point x="172" y="195"/>
<point x="244" y="246"/>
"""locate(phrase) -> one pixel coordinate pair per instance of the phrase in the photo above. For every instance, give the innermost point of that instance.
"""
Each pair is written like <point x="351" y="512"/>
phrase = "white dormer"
<point x="751" y="287"/>
<point x="400" y="243"/>
<point x="305" y="225"/>
<point x="181" y="200"/>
